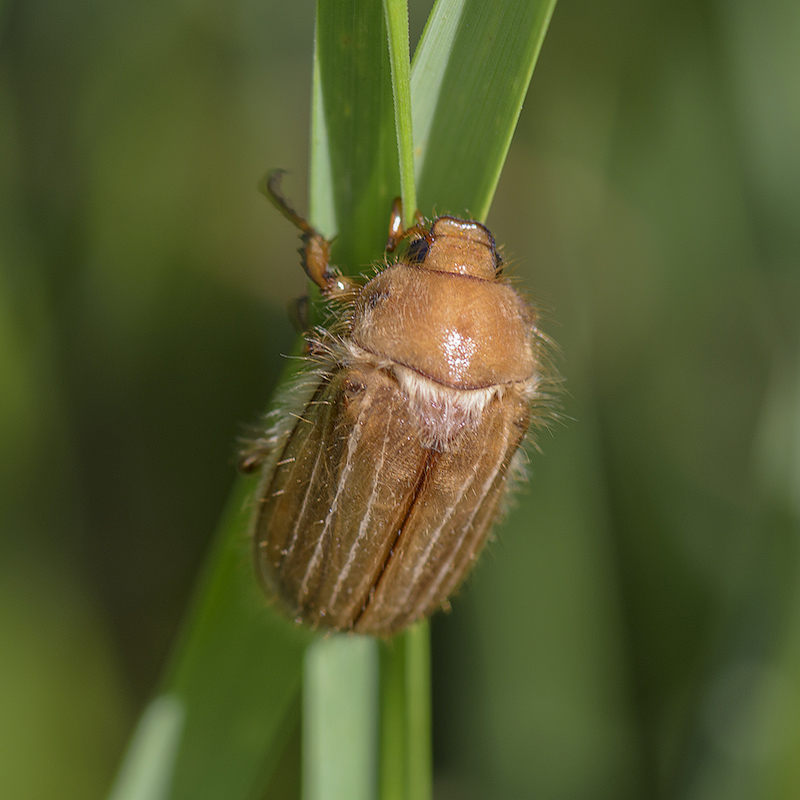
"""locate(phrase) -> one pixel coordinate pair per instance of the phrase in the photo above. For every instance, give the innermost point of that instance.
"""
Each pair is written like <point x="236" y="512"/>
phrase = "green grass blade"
<point x="322" y="213"/>
<point x="340" y="718"/>
<point x="396" y="12"/>
<point x="146" y="773"/>
<point x="418" y="712"/>
<point x="235" y="679"/>
<point x="468" y="81"/>
<point x="354" y="178"/>
<point x="406" y="767"/>
<point x="353" y="111"/>
<point x="393" y="741"/>
<point x="237" y="673"/>
<point x="468" y="106"/>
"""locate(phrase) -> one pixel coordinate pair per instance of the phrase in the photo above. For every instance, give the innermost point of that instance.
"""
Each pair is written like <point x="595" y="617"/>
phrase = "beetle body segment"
<point x="376" y="502"/>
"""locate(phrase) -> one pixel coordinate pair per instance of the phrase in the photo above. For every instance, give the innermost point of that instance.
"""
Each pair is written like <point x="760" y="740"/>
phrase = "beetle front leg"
<point x="395" y="226"/>
<point x="396" y="231"/>
<point x="316" y="250"/>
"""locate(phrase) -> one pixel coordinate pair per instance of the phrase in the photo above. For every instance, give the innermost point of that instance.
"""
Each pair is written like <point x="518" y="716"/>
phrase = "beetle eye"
<point x="417" y="251"/>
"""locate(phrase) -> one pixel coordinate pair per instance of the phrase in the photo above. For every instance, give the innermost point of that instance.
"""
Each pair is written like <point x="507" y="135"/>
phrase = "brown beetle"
<point x="380" y="492"/>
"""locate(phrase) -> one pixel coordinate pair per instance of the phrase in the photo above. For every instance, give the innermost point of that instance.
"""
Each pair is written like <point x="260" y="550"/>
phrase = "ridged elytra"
<point x="387" y="466"/>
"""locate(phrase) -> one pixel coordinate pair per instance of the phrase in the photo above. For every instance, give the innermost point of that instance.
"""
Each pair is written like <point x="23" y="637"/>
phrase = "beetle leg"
<point x="298" y="313"/>
<point x="316" y="250"/>
<point x="396" y="231"/>
<point x="395" y="226"/>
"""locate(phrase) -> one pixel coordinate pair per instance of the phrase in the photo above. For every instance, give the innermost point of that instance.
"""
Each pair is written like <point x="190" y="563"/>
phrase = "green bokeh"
<point x="635" y="629"/>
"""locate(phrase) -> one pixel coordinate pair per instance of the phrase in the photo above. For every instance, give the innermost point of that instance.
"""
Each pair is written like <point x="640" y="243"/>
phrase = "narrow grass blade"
<point x="322" y="212"/>
<point x="468" y="81"/>
<point x="340" y="715"/>
<point x="396" y="12"/>
<point x="418" y="712"/>
<point x="236" y="673"/>
<point x="394" y="739"/>
<point x="406" y="765"/>
<point x="146" y="773"/>
<point x="354" y="178"/>
<point x="353" y="114"/>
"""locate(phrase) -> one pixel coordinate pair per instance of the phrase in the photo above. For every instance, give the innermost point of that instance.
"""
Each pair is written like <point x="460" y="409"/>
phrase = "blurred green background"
<point x="634" y="632"/>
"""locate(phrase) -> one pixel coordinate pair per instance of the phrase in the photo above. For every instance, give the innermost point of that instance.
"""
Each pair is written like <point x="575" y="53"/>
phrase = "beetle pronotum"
<point x="380" y="491"/>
